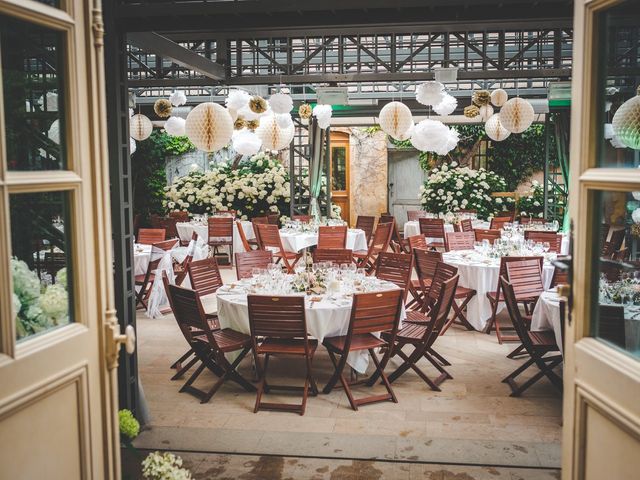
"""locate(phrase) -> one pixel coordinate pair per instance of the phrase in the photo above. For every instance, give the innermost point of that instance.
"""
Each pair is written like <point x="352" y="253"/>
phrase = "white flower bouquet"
<point x="531" y="204"/>
<point x="164" y="466"/>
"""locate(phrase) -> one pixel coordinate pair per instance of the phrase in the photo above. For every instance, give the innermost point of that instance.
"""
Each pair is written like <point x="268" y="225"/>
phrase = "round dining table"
<point x="326" y="315"/>
<point x="481" y="274"/>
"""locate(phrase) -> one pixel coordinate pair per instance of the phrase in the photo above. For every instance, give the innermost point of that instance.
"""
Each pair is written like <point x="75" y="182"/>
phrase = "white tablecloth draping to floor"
<point x="186" y="229"/>
<point x="298" y="241"/>
<point x="413" y="227"/>
<point x="142" y="256"/>
<point x="326" y="318"/>
<point x="482" y="276"/>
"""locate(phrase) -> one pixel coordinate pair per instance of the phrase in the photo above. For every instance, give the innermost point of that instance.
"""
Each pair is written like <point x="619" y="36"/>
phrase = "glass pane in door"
<point x="33" y="95"/>
<point x="40" y="262"/>
<point x="338" y="168"/>
<point x="616" y="304"/>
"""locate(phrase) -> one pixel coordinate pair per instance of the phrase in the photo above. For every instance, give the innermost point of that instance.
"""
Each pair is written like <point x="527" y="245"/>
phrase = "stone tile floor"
<point x="472" y="421"/>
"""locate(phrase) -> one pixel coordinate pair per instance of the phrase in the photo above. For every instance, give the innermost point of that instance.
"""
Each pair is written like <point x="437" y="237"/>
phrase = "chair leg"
<point x="441" y="359"/>
<point x="180" y="373"/>
<point x="410" y="363"/>
<point x="178" y="363"/>
<point x="338" y="367"/>
<point x="518" y="352"/>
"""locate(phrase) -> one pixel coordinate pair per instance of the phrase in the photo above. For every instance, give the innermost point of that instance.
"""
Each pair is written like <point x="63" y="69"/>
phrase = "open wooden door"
<point x="58" y="411"/>
<point x="339" y="173"/>
<point x="601" y="438"/>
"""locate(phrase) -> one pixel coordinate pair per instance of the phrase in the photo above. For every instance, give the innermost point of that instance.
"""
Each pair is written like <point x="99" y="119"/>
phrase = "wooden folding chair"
<point x="337" y="256"/>
<point x="279" y="328"/>
<point x="246" y="244"/>
<point x="332" y="237"/>
<point x="422" y="338"/>
<point x="554" y="239"/>
<point x="220" y="234"/>
<point x="460" y="241"/>
<point x="273" y="219"/>
<point x="433" y="230"/>
<point x="560" y="276"/>
<point x="414" y="215"/>
<point x="366" y="223"/>
<point x="498" y="222"/>
<point x="617" y="239"/>
<point x="210" y="346"/>
<point x="370" y="313"/>
<point x="145" y="280"/>
<point x="491" y="235"/>
<point x="255" y="222"/>
<point x="180" y="269"/>
<point x="380" y="243"/>
<point x="148" y="236"/>
<point x="247" y="261"/>
<point x="180" y="216"/>
<point x="417" y="241"/>
<point x="536" y="344"/>
<point x="425" y="263"/>
<point x="398" y="244"/>
<point x="395" y="268"/>
<point x="270" y="240"/>
<point x="205" y="276"/>
<point x="466" y="225"/>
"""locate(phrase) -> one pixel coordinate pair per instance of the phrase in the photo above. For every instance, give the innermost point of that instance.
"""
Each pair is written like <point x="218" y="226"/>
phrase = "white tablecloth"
<point x="324" y="319"/>
<point x="413" y="227"/>
<point x="186" y="229"/>
<point x="142" y="255"/>
<point x="296" y="242"/>
<point x="483" y="278"/>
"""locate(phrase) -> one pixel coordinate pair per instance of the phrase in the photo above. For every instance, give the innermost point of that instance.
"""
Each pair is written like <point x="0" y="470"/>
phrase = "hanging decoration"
<point x="626" y="122"/>
<point x="177" y="98"/>
<point x="274" y="137"/>
<point x="481" y="97"/>
<point x="239" y="123"/>
<point x="471" y="111"/>
<point x="258" y="105"/>
<point x="174" y="126"/>
<point x="323" y="115"/>
<point x="447" y="106"/>
<point x="430" y="93"/>
<point x="395" y="119"/>
<point x="284" y="120"/>
<point x="163" y="108"/>
<point x="232" y="113"/>
<point x="281" y="103"/>
<point x="517" y="115"/>
<point x="305" y="111"/>
<point x="407" y="135"/>
<point x="495" y="130"/>
<point x="245" y="142"/>
<point x="133" y="146"/>
<point x="237" y="99"/>
<point x="140" y="127"/>
<point x="209" y="127"/>
<point x="253" y="124"/>
<point x="499" y="97"/>
<point x="434" y="136"/>
<point x="485" y="111"/>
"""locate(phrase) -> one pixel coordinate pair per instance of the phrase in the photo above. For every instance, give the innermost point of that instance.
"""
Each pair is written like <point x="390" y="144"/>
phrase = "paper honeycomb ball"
<point x="274" y="137"/>
<point x="140" y="127"/>
<point x="494" y="128"/>
<point x="499" y="97"/>
<point x="163" y="108"/>
<point x="485" y="112"/>
<point x="395" y="119"/>
<point x="516" y="115"/>
<point x="471" y="111"/>
<point x="174" y="126"/>
<point x="209" y="127"/>
<point x="626" y="123"/>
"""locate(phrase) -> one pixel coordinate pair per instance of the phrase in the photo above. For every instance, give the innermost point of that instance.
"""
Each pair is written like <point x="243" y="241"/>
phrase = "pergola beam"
<point x="154" y="43"/>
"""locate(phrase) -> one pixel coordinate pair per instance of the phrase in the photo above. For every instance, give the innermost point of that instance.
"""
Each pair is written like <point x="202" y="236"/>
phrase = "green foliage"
<point x="177" y="145"/>
<point x="129" y="426"/>
<point x="149" y="176"/>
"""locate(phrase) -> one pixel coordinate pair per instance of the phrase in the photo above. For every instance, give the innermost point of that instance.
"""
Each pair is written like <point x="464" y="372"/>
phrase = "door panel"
<point x="339" y="174"/>
<point x="405" y="179"/>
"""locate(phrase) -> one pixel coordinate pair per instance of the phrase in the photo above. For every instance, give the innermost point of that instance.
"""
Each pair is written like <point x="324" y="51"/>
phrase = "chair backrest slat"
<point x="460" y="240"/>
<point x="338" y="256"/>
<point x="554" y="239"/>
<point x="395" y="268"/>
<point x="332" y="237"/>
<point x="180" y="216"/>
<point x="247" y="261"/>
<point x="417" y="241"/>
<point x="466" y="225"/>
<point x="491" y="235"/>
<point x="273" y="219"/>
<point x="188" y="312"/>
<point x="277" y="316"/>
<point x="432" y="227"/>
<point x="270" y="237"/>
<point x="375" y="312"/>
<point x="498" y="222"/>
<point x="514" y="313"/>
<point x="425" y="262"/>
<point x="220" y="227"/>
<point x="525" y="278"/>
<point x="205" y="276"/>
<point x="442" y="306"/>
<point x="443" y="273"/>
<point x="366" y="223"/>
<point x="243" y="238"/>
<point x="147" y="236"/>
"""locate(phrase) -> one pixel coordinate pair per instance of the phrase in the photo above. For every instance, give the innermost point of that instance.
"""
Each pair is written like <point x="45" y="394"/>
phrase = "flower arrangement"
<point x="309" y="282"/>
<point x="255" y="187"/>
<point x="531" y="204"/>
<point x="451" y="188"/>
<point x="129" y="426"/>
<point x="37" y="308"/>
<point x="164" y="466"/>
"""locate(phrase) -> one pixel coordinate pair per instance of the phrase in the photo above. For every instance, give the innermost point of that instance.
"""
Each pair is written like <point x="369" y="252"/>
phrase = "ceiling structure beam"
<point x="163" y="47"/>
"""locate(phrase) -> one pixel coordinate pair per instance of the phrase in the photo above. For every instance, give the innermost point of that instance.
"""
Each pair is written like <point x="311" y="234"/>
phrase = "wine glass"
<point x="546" y="246"/>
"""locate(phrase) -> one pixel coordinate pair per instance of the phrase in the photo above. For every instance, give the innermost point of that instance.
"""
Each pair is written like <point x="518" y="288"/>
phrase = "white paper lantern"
<point x="133" y="146"/>
<point x="246" y="142"/>
<point x="447" y="106"/>
<point x="407" y="135"/>
<point x="516" y="115"/>
<point x="494" y="128"/>
<point x="248" y="114"/>
<point x="395" y="119"/>
<point x="177" y="98"/>
<point x="274" y="137"/>
<point x="237" y="99"/>
<point x="140" y="127"/>
<point x="485" y="112"/>
<point x="626" y="123"/>
<point x="323" y="115"/>
<point x="209" y="127"/>
<point x="54" y="131"/>
<point x="174" y="126"/>
<point x="499" y="97"/>
<point x="430" y="93"/>
<point x="232" y="113"/>
<point x="433" y="136"/>
<point x="281" y="103"/>
<point x="284" y="120"/>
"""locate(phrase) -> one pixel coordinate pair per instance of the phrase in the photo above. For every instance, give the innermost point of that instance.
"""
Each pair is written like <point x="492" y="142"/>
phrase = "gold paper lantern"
<point x="485" y="112"/>
<point x="494" y="128"/>
<point x="517" y="115"/>
<point x="209" y="127"/>
<point x="272" y="135"/>
<point x="258" y="105"/>
<point x="499" y="97"/>
<point x="305" y="111"/>
<point x="471" y="111"/>
<point x="395" y="119"/>
<point x="481" y="97"/>
<point x="140" y="127"/>
<point x="626" y="122"/>
<point x="163" y="108"/>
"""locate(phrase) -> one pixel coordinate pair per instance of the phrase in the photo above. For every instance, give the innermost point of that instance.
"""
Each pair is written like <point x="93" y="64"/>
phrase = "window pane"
<point x="53" y="3"/>
<point x="338" y="168"/>
<point x="40" y="261"/>
<point x="616" y="303"/>
<point x="32" y="83"/>
<point x="619" y="101"/>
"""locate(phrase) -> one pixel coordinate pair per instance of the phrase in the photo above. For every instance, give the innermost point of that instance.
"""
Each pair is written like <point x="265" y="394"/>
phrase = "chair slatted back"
<point x="243" y="238"/>
<point x="166" y="245"/>
<point x="395" y="233"/>
<point x="148" y="236"/>
<point x="466" y="225"/>
<point x="247" y="261"/>
<point x="184" y="267"/>
<point x="604" y="235"/>
<point x="525" y="278"/>
<point x="491" y="235"/>
<point x="273" y="219"/>
<point x="277" y="316"/>
<point x="301" y="218"/>
<point x="560" y="276"/>
<point x="169" y="225"/>
<point x="332" y="237"/>
<point x="425" y="262"/>
<point x="620" y="255"/>
<point x="617" y="238"/>
<point x="270" y="237"/>
<point x="366" y="223"/>
<point x="220" y="227"/>
<point x="255" y="222"/>
<point x="381" y="239"/>
<point x="414" y="215"/>
<point x="510" y="214"/>
<point x="417" y="241"/>
<point x="432" y="228"/>
<point x="498" y="222"/>
<point x="205" y="276"/>
<point x="187" y="309"/>
<point x="460" y="240"/>
<point x="554" y="239"/>
<point x="443" y="273"/>
<point x="180" y="216"/>
<point x="395" y="268"/>
<point x="442" y="307"/>
<point x="336" y="255"/>
<point x="514" y="313"/>
<point x="375" y="312"/>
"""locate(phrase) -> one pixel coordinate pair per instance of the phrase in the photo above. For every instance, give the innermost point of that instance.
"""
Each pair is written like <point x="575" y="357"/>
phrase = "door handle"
<point x="115" y="339"/>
